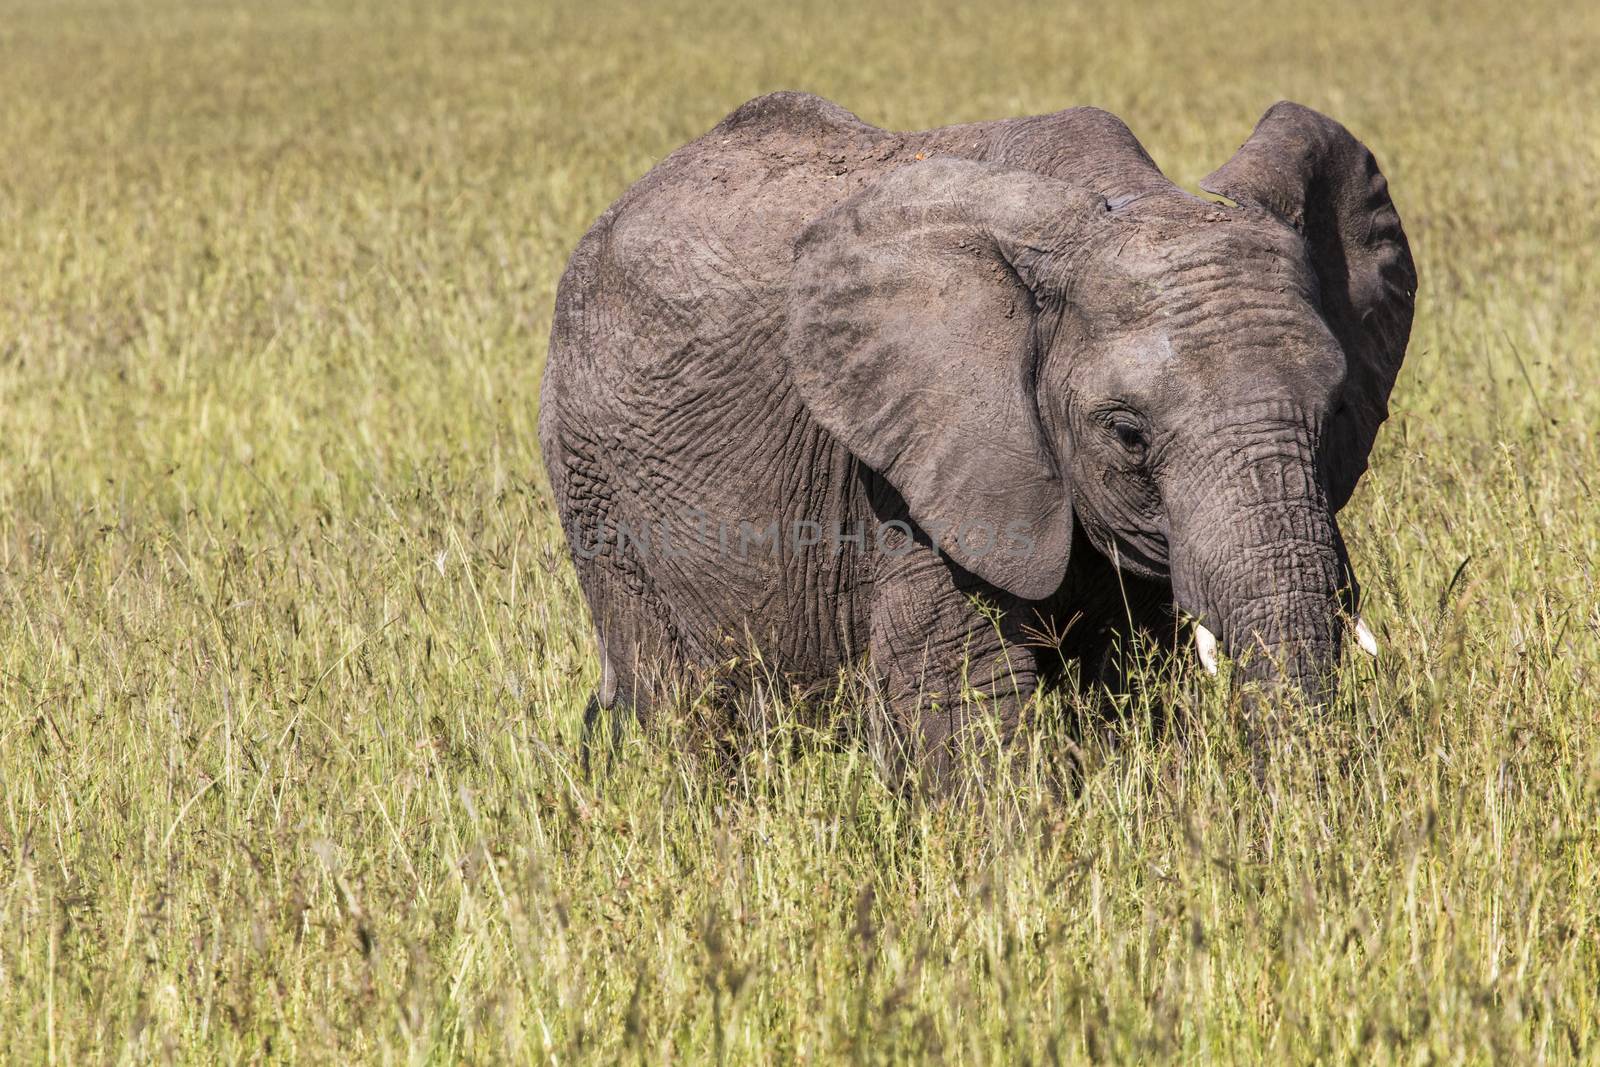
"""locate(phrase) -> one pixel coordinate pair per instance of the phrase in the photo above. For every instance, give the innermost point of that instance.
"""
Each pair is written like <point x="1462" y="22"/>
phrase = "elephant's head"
<point x="1196" y="384"/>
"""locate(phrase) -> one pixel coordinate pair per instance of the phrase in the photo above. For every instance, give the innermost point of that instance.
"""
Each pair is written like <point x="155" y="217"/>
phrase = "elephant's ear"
<point x="915" y="324"/>
<point x="1311" y="173"/>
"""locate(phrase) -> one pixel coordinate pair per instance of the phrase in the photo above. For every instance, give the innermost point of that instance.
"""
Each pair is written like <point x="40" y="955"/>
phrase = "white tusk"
<point x="1205" y="643"/>
<point x="1364" y="638"/>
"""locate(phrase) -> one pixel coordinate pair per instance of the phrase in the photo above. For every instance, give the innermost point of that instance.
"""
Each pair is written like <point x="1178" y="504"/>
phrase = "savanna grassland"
<point x="292" y="661"/>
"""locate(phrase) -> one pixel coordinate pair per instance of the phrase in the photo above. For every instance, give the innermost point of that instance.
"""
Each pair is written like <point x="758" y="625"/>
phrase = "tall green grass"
<point x="292" y="659"/>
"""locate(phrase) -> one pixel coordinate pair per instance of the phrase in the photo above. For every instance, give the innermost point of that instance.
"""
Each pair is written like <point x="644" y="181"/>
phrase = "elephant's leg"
<point x="949" y="656"/>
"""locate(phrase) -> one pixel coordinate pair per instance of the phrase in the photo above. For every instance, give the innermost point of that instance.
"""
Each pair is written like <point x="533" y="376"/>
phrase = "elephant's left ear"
<point x="1309" y="171"/>
<point x="917" y="314"/>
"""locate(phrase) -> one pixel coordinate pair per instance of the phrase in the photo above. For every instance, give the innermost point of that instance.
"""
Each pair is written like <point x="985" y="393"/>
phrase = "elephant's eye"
<point x="1128" y="429"/>
<point x="1130" y="437"/>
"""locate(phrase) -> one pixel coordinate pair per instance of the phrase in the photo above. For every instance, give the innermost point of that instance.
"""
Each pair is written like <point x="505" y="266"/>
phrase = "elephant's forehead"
<point x="1191" y="373"/>
<point x="1188" y="245"/>
<point x="1207" y="294"/>
<point x="1214" y="272"/>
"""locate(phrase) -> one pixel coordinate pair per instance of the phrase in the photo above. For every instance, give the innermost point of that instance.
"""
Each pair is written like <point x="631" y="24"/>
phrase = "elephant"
<point x="964" y="405"/>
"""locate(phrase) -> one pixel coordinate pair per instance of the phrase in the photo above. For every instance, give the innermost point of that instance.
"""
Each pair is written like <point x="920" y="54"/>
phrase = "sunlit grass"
<point x="292" y="660"/>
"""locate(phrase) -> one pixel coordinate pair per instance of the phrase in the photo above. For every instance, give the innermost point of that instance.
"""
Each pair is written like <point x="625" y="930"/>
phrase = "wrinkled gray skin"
<point x="1159" y="401"/>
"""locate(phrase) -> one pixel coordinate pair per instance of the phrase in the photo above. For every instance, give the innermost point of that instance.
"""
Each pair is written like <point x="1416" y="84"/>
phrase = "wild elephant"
<point x="813" y="384"/>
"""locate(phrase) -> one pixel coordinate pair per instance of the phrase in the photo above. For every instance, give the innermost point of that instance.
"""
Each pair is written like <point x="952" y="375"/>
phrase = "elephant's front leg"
<point x="952" y="656"/>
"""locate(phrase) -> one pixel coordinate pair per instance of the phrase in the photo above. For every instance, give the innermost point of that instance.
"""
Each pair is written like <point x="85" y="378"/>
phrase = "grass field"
<point x="292" y="659"/>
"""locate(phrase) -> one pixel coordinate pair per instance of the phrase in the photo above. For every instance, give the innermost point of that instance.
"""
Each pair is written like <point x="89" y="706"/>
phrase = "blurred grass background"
<point x="291" y="658"/>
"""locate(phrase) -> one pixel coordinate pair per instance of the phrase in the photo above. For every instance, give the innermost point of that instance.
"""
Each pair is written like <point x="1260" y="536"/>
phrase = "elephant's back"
<point x="707" y="235"/>
<point x="700" y="248"/>
<point x="671" y="295"/>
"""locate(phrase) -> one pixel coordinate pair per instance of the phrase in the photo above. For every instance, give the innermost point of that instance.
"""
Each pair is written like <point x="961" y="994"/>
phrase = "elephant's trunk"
<point x="1293" y="636"/>
<point x="1260" y="564"/>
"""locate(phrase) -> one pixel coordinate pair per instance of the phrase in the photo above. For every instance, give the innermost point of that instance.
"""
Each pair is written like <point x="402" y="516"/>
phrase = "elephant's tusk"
<point x="1205" y="643"/>
<point x="1364" y="638"/>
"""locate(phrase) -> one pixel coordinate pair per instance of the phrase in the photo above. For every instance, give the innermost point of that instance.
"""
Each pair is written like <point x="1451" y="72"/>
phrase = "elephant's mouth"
<point x="1143" y="554"/>
<point x="1281" y="609"/>
<point x="1207" y="645"/>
